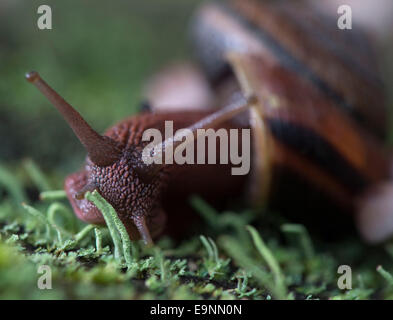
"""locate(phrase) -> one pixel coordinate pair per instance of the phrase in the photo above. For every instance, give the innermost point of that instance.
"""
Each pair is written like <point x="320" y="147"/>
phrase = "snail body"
<point x="313" y="117"/>
<point x="134" y="196"/>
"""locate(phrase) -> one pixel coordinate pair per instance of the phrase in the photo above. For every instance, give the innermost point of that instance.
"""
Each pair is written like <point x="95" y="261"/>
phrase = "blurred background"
<point x="98" y="56"/>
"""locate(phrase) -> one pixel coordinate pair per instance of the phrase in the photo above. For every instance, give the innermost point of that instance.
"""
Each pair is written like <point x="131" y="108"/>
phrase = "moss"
<point x="234" y="262"/>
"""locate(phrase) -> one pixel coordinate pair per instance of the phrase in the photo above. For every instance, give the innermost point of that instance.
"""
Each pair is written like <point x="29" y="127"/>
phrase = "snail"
<point x="283" y="70"/>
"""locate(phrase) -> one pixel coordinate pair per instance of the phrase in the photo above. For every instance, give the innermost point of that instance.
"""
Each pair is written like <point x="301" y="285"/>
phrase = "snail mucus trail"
<point x="119" y="173"/>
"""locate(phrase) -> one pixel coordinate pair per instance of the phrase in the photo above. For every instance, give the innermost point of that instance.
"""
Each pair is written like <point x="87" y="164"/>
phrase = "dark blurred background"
<point x="98" y="56"/>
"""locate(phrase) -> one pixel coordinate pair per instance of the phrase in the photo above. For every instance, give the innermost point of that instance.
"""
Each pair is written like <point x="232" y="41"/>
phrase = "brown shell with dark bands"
<point x="340" y="64"/>
<point x="308" y="134"/>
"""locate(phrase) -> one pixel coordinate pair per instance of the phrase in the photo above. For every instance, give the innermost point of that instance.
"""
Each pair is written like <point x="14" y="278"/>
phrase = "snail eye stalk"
<point x="102" y="150"/>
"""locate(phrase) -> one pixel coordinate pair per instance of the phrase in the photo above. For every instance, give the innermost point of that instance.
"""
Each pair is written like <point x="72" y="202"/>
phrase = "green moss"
<point x="234" y="262"/>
